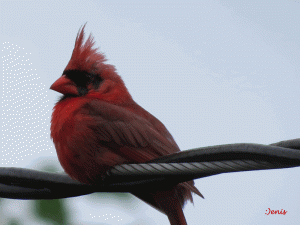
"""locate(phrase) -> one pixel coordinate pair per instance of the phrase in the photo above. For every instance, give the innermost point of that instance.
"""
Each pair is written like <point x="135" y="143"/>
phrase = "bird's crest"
<point x="85" y="57"/>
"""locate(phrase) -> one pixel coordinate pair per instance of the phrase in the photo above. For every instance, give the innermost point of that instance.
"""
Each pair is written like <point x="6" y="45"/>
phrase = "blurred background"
<point x="214" y="72"/>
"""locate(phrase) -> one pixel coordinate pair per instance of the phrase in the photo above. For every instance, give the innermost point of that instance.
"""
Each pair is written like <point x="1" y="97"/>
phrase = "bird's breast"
<point x="79" y="151"/>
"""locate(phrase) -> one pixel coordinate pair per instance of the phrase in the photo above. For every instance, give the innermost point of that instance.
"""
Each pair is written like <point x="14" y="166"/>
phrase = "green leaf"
<point x="52" y="210"/>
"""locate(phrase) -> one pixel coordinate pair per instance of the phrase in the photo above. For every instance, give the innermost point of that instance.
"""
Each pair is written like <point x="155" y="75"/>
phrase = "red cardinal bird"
<point x="96" y="125"/>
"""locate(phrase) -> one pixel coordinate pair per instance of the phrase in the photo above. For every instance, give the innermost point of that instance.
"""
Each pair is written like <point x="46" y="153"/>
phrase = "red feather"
<point x="97" y="125"/>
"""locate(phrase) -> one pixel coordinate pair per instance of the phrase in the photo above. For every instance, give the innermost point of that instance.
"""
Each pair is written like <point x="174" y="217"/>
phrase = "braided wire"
<point x="20" y="183"/>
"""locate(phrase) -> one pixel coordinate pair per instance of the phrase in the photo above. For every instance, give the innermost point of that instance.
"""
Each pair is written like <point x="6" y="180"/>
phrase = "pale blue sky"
<point x="214" y="72"/>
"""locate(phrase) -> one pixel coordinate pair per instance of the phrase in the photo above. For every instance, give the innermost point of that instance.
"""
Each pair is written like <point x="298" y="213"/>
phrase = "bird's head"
<point x="87" y="75"/>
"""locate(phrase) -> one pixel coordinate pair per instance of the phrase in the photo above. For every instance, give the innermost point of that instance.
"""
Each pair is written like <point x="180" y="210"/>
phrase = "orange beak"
<point x="64" y="85"/>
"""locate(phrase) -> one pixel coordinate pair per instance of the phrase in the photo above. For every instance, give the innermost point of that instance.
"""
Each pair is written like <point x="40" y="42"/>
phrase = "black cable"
<point x="166" y="171"/>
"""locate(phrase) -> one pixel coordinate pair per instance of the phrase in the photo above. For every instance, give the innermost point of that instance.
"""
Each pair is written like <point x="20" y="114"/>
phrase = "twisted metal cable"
<point x="166" y="171"/>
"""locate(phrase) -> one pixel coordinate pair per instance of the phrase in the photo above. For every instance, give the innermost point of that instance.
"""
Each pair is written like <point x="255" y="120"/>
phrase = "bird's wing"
<point x="126" y="131"/>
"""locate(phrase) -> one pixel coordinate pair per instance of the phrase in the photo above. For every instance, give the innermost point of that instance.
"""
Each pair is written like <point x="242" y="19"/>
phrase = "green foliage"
<point x="54" y="211"/>
<point x="14" y="221"/>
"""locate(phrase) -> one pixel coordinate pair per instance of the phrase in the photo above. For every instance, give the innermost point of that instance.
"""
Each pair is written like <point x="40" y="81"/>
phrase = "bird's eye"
<point x="80" y="78"/>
